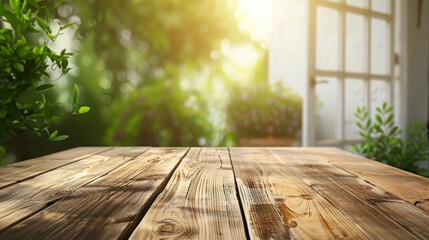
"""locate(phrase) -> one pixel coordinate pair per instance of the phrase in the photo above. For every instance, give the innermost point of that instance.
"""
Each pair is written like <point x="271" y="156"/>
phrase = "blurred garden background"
<point x="161" y="73"/>
<point x="351" y="74"/>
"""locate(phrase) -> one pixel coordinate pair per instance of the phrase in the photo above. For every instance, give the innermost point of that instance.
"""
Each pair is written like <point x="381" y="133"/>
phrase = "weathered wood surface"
<point x="378" y="213"/>
<point x="199" y="202"/>
<point x="105" y="207"/>
<point x="210" y="193"/>
<point x="405" y="185"/>
<point x="24" y="170"/>
<point x="25" y="199"/>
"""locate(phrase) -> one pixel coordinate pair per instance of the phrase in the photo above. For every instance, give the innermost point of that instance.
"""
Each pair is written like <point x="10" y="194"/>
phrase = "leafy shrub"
<point x="24" y="69"/>
<point x="159" y="114"/>
<point x="382" y="141"/>
<point x="261" y="110"/>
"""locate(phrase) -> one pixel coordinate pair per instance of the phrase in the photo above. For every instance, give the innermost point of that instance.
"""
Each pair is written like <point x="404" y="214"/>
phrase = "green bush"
<point x="159" y="114"/>
<point x="26" y="61"/>
<point x="261" y="110"/>
<point x="382" y="141"/>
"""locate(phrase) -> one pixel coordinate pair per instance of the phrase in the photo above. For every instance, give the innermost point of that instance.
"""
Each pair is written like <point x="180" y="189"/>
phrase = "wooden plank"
<point x="410" y="187"/>
<point x="278" y="204"/>
<point x="24" y="199"/>
<point x="199" y="202"/>
<point x="374" y="210"/>
<point x="24" y="170"/>
<point x="107" y="208"/>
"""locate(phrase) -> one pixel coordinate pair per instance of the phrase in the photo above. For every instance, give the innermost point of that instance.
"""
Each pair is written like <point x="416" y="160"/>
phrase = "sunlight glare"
<point x="255" y="17"/>
<point x="244" y="56"/>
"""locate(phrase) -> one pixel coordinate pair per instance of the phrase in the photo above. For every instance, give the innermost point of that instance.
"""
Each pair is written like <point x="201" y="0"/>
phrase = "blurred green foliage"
<point x="132" y="50"/>
<point x="159" y="115"/>
<point x="382" y="141"/>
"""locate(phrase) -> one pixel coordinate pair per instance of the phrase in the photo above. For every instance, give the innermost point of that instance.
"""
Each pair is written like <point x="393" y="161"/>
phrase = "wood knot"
<point x="306" y="196"/>
<point x="167" y="228"/>
<point x="292" y="224"/>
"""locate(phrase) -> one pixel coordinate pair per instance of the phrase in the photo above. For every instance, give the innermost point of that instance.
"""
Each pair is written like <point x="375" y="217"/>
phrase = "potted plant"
<point x="264" y="115"/>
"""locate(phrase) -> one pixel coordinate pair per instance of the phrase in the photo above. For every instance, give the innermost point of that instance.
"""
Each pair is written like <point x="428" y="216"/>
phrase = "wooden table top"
<point x="210" y="193"/>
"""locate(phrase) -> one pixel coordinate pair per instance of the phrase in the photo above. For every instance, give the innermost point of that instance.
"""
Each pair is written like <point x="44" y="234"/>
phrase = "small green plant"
<point x="382" y="141"/>
<point x="26" y="61"/>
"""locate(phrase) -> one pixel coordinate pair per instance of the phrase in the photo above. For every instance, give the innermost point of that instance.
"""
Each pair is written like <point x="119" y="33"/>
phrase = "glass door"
<point x="350" y="64"/>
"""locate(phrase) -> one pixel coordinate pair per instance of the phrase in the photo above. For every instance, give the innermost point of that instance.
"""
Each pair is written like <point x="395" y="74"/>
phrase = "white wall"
<point x="416" y="62"/>
<point x="288" y="44"/>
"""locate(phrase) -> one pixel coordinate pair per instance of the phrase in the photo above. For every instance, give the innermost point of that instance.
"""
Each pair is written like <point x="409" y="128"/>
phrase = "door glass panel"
<point x="354" y="97"/>
<point x="382" y="6"/>
<point x="380" y="46"/>
<point x="327" y="39"/>
<point x="357" y="3"/>
<point x="379" y="94"/>
<point x="326" y="108"/>
<point x="355" y="43"/>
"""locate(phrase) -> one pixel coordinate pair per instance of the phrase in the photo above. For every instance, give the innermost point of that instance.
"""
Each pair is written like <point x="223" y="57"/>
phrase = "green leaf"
<point x="379" y="119"/>
<point x="389" y="119"/>
<point x="2" y="151"/>
<point x="60" y="138"/>
<point x="393" y="130"/>
<point x="18" y="66"/>
<point x="67" y="26"/>
<point x="53" y="135"/>
<point x="84" y="109"/>
<point x="15" y="5"/>
<point x="42" y="23"/>
<point x="355" y="148"/>
<point x="75" y="94"/>
<point x="48" y="112"/>
<point x="378" y="109"/>
<point x="57" y="3"/>
<point x="359" y="125"/>
<point x="44" y="87"/>
<point x="54" y="119"/>
<point x="358" y="110"/>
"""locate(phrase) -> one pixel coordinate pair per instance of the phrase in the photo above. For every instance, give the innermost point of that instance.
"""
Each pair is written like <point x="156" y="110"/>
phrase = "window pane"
<point x="379" y="94"/>
<point x="355" y="97"/>
<point x="358" y="3"/>
<point x="380" y="54"/>
<point x="382" y="6"/>
<point x="326" y="108"/>
<point x="356" y="46"/>
<point x="327" y="39"/>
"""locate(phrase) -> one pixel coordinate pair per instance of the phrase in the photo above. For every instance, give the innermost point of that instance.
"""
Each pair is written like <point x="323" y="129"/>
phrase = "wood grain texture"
<point x="278" y="204"/>
<point x="106" y="208"/>
<point x="211" y="193"/>
<point x="24" y="170"/>
<point x="24" y="199"/>
<point x="199" y="202"/>
<point x="378" y="213"/>
<point x="407" y="186"/>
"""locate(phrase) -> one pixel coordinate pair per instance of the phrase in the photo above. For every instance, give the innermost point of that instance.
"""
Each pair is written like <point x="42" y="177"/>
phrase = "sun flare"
<point x="255" y="18"/>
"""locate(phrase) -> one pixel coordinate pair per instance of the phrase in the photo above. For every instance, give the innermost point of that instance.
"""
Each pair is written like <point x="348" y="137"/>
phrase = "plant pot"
<point x="267" y="142"/>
